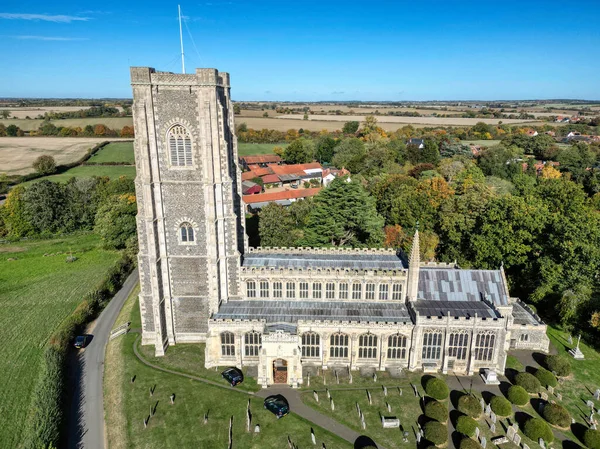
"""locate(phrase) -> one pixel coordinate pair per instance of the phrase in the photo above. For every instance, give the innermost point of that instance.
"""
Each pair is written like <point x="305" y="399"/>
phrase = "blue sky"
<point x="308" y="50"/>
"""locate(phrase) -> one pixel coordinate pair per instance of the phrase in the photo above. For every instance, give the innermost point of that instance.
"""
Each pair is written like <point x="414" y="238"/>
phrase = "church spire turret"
<point x="413" y="268"/>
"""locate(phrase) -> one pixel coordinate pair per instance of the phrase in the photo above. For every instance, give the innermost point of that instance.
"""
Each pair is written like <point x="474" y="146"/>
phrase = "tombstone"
<point x="559" y="396"/>
<point x="597" y="394"/>
<point x="542" y="443"/>
<point x="419" y="437"/>
<point x="328" y="393"/>
<point x="510" y="433"/>
<point x="206" y="418"/>
<point x="349" y="378"/>
<point x="385" y="391"/>
<point x="369" y="397"/>
<point x="415" y="389"/>
<point x="572" y="420"/>
<point x="493" y="428"/>
<point x="389" y="407"/>
<point x="374" y="377"/>
<point x="358" y="409"/>
<point x="146" y="422"/>
<point x="312" y="437"/>
<point x="248" y="420"/>
<point x="570" y="339"/>
<point x="477" y="432"/>
<point x="323" y="446"/>
<point x="493" y="417"/>
<point x="590" y="404"/>
<point x="482" y="403"/>
<point x="400" y="391"/>
<point x="364" y="426"/>
<point x="316" y="395"/>
<point x="525" y="446"/>
<point x="332" y="404"/>
<point x="516" y="426"/>
<point x="337" y="378"/>
<point x="151" y="392"/>
<point x="544" y="396"/>
<point x="290" y="444"/>
<point x="405" y="436"/>
<point x="308" y="380"/>
<point x="172" y="397"/>
<point x="594" y="426"/>
<point x="257" y="428"/>
<point x="483" y="442"/>
<point x="517" y="439"/>
<point x="550" y="389"/>
<point x="488" y="410"/>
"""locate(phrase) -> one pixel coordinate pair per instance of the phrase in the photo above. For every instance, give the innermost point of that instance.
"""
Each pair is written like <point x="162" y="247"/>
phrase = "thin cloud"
<point x="44" y="17"/>
<point x="49" y="38"/>
<point x="338" y="93"/>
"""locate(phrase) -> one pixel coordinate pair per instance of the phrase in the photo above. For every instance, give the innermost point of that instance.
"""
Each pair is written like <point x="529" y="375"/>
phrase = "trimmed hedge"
<point x="559" y="364"/>
<point x="436" y="410"/>
<point x="44" y="423"/>
<point x="591" y="438"/>
<point x="469" y="405"/>
<point x="466" y="425"/>
<point x="437" y="389"/>
<point x="528" y="381"/>
<point x="518" y="396"/>
<point x="436" y="432"/>
<point x="536" y="428"/>
<point x="557" y="415"/>
<point x="501" y="406"/>
<point x="469" y="443"/>
<point x="546" y="378"/>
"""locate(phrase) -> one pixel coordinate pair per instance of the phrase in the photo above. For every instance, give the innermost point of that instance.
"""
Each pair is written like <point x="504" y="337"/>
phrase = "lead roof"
<point x="303" y="260"/>
<point x="462" y="309"/>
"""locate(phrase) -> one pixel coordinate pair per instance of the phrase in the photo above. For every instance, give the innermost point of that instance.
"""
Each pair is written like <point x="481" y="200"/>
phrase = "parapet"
<point x="331" y="250"/>
<point x="202" y="77"/>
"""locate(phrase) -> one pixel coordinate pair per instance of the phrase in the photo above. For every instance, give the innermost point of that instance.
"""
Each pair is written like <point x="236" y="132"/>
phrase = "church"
<point x="284" y="312"/>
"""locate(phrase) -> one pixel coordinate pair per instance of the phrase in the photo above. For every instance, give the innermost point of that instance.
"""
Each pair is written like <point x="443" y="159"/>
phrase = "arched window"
<point x="251" y="289"/>
<point x="338" y="346"/>
<point x="316" y="290"/>
<point x="186" y="233"/>
<point x="370" y="291"/>
<point x="264" y="289"/>
<point x="432" y="345"/>
<point x="343" y="290"/>
<point x="311" y="344"/>
<point x="180" y="146"/>
<point x="252" y="342"/>
<point x="356" y="290"/>
<point x="484" y="346"/>
<point x="396" y="347"/>
<point x="367" y="346"/>
<point x="383" y="291"/>
<point x="457" y="346"/>
<point x="227" y="344"/>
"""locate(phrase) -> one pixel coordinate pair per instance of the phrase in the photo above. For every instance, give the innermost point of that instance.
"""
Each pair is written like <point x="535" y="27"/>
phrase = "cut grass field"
<point x="115" y="152"/>
<point x="87" y="171"/>
<point x="36" y="293"/>
<point x="181" y="425"/>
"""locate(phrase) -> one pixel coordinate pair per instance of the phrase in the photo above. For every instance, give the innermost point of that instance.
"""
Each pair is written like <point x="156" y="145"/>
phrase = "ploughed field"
<point x="38" y="289"/>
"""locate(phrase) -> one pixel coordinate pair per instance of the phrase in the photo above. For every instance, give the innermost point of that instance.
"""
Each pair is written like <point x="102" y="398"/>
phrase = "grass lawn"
<point x="36" y="294"/>
<point x="115" y="152"/>
<point x="483" y="143"/>
<point x="87" y="171"/>
<point x="181" y="425"/>
<point x="249" y="149"/>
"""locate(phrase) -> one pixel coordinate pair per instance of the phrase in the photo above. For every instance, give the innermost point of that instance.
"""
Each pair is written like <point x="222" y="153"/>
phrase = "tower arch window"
<point x="311" y="344"/>
<point x="180" y="146"/>
<point x="367" y="346"/>
<point x="227" y="344"/>
<point x="290" y="290"/>
<point x="329" y="290"/>
<point x="316" y="290"/>
<point x="432" y="345"/>
<point x="343" y="292"/>
<point x="303" y="290"/>
<point x="277" y="290"/>
<point x="484" y="346"/>
<point x="252" y="342"/>
<point x="396" y="347"/>
<point x="457" y="345"/>
<point x="338" y="345"/>
<point x="186" y="233"/>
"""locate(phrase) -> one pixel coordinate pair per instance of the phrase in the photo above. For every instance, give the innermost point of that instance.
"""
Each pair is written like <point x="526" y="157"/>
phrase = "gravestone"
<point x="418" y="437"/>
<point x="332" y="404"/>
<point x="525" y="446"/>
<point x="146" y="421"/>
<point x="374" y="377"/>
<point x="290" y="444"/>
<point x="483" y="442"/>
<point x="493" y="417"/>
<point x="324" y="380"/>
<point x="337" y="378"/>
<point x="516" y="426"/>
<point x="206" y="418"/>
<point x="389" y="407"/>
<point x="172" y="397"/>
<point x="316" y="395"/>
<point x="510" y="433"/>
<point x="597" y="394"/>
<point x="590" y="404"/>
<point x="570" y="339"/>
<point x="550" y="389"/>
<point x="493" y="428"/>
<point x="248" y="420"/>
<point x="477" y="432"/>
<point x="499" y="440"/>
<point x="573" y="421"/>
<point x="517" y="439"/>
<point x="257" y="428"/>
<point x="312" y="437"/>
<point x="544" y="396"/>
<point x="369" y="397"/>
<point x="559" y="396"/>
<point x="415" y="389"/>
<point x="488" y="410"/>
<point x="358" y="409"/>
<point x="328" y="393"/>
<point x="384" y="391"/>
<point x="400" y="391"/>
<point x="594" y="426"/>
<point x="482" y="403"/>
<point x="362" y="422"/>
<point x="350" y="378"/>
<point x="308" y="380"/>
<point x="542" y="443"/>
<point x="390" y="422"/>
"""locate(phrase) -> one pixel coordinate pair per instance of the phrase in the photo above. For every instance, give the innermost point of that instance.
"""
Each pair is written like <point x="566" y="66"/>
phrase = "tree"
<point x="549" y="172"/>
<point x="237" y="110"/>
<point x="499" y="161"/>
<point x="325" y="148"/>
<point x="344" y="214"/>
<point x="350" y="127"/>
<point x="13" y="214"/>
<point x="12" y="130"/>
<point x="265" y="114"/>
<point x="48" y="129"/>
<point x="100" y="130"/>
<point x="276" y="226"/>
<point x="430" y="154"/>
<point x="44" y="205"/>
<point x="127" y="131"/>
<point x="350" y="153"/>
<point x="300" y="151"/>
<point x="44" y="165"/>
<point x="115" y="220"/>
<point x="576" y="160"/>
<point x="5" y="114"/>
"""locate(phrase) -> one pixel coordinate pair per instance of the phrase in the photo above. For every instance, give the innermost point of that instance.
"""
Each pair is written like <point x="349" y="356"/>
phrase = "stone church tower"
<point x="191" y="237"/>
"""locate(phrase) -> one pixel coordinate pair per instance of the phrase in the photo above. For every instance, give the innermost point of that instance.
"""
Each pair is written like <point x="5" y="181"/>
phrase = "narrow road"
<point x="85" y="418"/>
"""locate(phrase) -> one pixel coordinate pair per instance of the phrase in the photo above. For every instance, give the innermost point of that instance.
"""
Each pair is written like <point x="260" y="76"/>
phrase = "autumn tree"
<point x="127" y="131"/>
<point x="350" y="127"/>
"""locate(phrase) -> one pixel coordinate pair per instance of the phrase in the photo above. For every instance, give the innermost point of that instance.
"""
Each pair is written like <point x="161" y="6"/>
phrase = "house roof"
<point x="415" y="141"/>
<point x="454" y="308"/>
<point x="261" y="159"/>
<point x="301" y="260"/>
<point x="270" y="179"/>
<point x="257" y="173"/>
<point x="285" y="195"/>
<point x="248" y="184"/>
<point x="450" y="284"/>
<point x="294" y="169"/>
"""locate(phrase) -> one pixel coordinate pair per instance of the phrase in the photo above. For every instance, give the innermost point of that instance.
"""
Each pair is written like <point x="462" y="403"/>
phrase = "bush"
<point x="45" y="165"/>
<point x="536" y="428"/>
<point x="517" y="395"/>
<point x="591" y="438"/>
<point x="437" y="389"/>
<point x="466" y="425"/>
<point x="436" y="410"/>
<point x="557" y="415"/>
<point x="469" y="405"/>
<point x="501" y="406"/>
<point x="546" y="378"/>
<point x="469" y="443"/>
<point x="436" y="432"/>
<point x="528" y="382"/>
<point x="559" y="364"/>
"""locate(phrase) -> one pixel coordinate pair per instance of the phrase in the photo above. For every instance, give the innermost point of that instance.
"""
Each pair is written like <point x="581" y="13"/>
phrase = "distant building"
<point x="261" y="160"/>
<point x="420" y="143"/>
<point x="250" y="188"/>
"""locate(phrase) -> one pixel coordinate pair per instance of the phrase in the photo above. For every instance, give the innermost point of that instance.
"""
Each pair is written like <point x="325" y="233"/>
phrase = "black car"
<point x="233" y="375"/>
<point x="278" y="405"/>
<point x="81" y="341"/>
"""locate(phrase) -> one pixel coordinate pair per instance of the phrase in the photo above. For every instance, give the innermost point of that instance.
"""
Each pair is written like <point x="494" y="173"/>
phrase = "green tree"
<point x="576" y="160"/>
<point x="325" y="148"/>
<point x="237" y="109"/>
<point x="350" y="153"/>
<point x="44" y="205"/>
<point x="44" y="165"/>
<point x="344" y="214"/>
<point x="276" y="226"/>
<point x="300" y="151"/>
<point x="13" y="214"/>
<point x="48" y="129"/>
<point x="115" y="220"/>
<point x="350" y="127"/>
<point x="500" y="161"/>
<point x="430" y="154"/>
<point x="5" y="113"/>
<point x="12" y="130"/>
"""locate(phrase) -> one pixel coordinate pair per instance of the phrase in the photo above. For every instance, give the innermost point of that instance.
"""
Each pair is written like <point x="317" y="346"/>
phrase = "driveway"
<point x="85" y="418"/>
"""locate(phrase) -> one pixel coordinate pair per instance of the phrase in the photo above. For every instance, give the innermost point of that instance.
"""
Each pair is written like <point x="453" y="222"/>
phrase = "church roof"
<point x="523" y="316"/>
<point x="351" y="260"/>
<point x="463" y="309"/>
<point x="450" y="284"/>
<point x="292" y="311"/>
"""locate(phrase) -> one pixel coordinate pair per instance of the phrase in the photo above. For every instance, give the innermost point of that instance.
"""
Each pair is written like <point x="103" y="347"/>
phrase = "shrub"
<point x="501" y="406"/>
<point x="546" y="378"/>
<point x="536" y="428"/>
<point x="437" y="389"/>
<point x="591" y="438"/>
<point x="559" y="364"/>
<point x="45" y="165"/>
<point x="436" y="432"/>
<point x="469" y="405"/>
<point x="469" y="443"/>
<point x="557" y="415"/>
<point x="528" y="382"/>
<point x="517" y="395"/>
<point x="466" y="425"/>
<point x="436" y="410"/>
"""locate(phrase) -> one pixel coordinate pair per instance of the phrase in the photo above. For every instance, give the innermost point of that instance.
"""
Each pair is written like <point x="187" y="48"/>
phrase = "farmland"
<point x="33" y="124"/>
<point x="430" y="121"/>
<point x="121" y="152"/>
<point x="247" y="149"/>
<point x="38" y="289"/>
<point x="87" y="171"/>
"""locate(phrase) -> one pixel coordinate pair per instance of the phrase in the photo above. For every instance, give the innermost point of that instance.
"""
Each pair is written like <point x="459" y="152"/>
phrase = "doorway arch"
<point x="280" y="371"/>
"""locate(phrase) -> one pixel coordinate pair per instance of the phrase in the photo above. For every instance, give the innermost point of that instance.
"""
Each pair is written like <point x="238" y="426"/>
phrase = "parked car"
<point x="233" y="375"/>
<point x="278" y="405"/>
<point x="81" y="341"/>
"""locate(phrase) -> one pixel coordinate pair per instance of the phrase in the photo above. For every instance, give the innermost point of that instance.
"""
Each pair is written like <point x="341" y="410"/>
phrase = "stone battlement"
<point x="308" y="250"/>
<point x="202" y="77"/>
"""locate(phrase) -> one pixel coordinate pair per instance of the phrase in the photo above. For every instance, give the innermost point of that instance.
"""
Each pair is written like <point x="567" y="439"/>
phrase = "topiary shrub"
<point x="546" y="378"/>
<point x="557" y="415"/>
<point x="469" y="405"/>
<point x="591" y="438"/>
<point x="437" y="389"/>
<point x="528" y="382"/>
<point x="436" y="432"/>
<point x="536" y="428"/>
<point x="501" y="406"/>
<point x="436" y="410"/>
<point x="469" y="443"/>
<point x="466" y="425"/>
<point x="517" y="395"/>
<point x="559" y="364"/>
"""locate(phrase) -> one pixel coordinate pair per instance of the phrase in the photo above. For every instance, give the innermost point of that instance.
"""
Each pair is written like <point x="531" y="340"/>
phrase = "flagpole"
<point x="181" y="41"/>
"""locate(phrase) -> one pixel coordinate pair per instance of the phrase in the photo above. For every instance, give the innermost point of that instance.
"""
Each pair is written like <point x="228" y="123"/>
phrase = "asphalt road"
<point x="85" y="418"/>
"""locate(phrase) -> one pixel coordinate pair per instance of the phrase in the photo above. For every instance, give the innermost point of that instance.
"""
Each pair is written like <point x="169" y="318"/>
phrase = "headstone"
<point x="415" y="389"/>
<point x="544" y="396"/>
<point x="172" y="397"/>
<point x="493" y="428"/>
<point x="483" y="442"/>
<point x="257" y="428"/>
<point x="385" y="391"/>
<point x="493" y="417"/>
<point x="358" y="409"/>
<point x="477" y="432"/>
<point x="597" y="394"/>
<point x="559" y="396"/>
<point x="312" y="437"/>
<point x="206" y="418"/>
<point x="525" y="446"/>
<point x="542" y="443"/>
<point x="248" y="420"/>
<point x="308" y="380"/>
<point x="576" y="352"/>
<point x="328" y="393"/>
<point x="517" y="439"/>
<point x="323" y="446"/>
<point x="570" y="339"/>
<point x="510" y="433"/>
<point x="337" y="378"/>
<point x="516" y="426"/>
<point x="488" y="410"/>
<point x="350" y="378"/>
<point x="362" y="422"/>
<point x="550" y="389"/>
<point x="369" y="397"/>
<point x="374" y="377"/>
<point x="389" y="407"/>
<point x="290" y="444"/>
<point x="419" y="437"/>
<point x="151" y="391"/>
<point x="482" y="403"/>
<point x="594" y="426"/>
<point x="146" y="422"/>
<point x="316" y="395"/>
<point x="332" y="404"/>
<point x="572" y="420"/>
<point x="590" y="404"/>
<point x="400" y="391"/>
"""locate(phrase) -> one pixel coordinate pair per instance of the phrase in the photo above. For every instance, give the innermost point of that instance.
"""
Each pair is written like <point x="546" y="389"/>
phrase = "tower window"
<point x="186" y="233"/>
<point x="180" y="146"/>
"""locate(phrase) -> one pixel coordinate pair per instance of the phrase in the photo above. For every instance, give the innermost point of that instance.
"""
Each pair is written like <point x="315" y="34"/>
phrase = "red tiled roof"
<point x="247" y="175"/>
<point x="285" y="195"/>
<point x="261" y="159"/>
<point x="270" y="179"/>
<point x="294" y="169"/>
